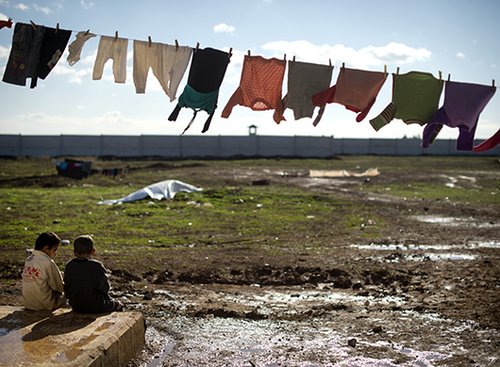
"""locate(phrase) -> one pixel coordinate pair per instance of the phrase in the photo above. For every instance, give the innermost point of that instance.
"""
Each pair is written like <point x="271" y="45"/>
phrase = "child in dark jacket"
<point x="86" y="284"/>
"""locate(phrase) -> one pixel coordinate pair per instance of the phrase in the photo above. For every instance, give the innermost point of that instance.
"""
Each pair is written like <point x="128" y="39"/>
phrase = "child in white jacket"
<point x="42" y="280"/>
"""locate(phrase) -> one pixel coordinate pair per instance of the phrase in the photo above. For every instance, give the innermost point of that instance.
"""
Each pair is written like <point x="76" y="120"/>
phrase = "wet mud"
<point x="411" y="309"/>
<point x="425" y="293"/>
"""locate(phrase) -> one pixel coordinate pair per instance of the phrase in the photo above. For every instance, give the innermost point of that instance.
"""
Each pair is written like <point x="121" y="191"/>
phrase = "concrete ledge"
<point x="66" y="338"/>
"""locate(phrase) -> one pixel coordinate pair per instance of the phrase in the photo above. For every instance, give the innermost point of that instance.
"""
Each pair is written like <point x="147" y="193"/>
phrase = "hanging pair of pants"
<point x="115" y="49"/>
<point x="24" y="55"/>
<point x="169" y="63"/>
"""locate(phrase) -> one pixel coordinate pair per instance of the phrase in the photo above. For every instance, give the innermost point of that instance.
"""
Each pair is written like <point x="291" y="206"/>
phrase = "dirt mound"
<point x="266" y="275"/>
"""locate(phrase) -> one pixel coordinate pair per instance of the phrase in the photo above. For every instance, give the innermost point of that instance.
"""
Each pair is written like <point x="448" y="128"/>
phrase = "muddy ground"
<point x="426" y="293"/>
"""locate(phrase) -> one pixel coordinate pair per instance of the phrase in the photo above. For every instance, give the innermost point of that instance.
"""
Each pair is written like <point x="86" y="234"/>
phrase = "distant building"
<point x="252" y="130"/>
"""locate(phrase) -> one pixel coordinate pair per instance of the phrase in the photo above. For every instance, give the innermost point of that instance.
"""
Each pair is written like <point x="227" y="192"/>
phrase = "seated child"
<point x="42" y="280"/>
<point x="86" y="283"/>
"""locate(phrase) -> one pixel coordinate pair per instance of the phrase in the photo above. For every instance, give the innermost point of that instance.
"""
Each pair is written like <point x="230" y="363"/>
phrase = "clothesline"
<point x="10" y="21"/>
<point x="117" y="36"/>
<point x="415" y="94"/>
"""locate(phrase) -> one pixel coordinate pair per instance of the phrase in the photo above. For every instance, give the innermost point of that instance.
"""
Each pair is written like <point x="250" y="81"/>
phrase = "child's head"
<point x="84" y="246"/>
<point x="48" y="242"/>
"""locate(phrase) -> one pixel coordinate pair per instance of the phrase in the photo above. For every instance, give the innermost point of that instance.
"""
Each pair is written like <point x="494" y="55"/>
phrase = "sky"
<point x="456" y="37"/>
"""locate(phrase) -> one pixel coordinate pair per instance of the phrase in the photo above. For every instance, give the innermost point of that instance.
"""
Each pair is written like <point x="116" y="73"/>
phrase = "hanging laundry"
<point x="304" y="80"/>
<point x="489" y="143"/>
<point x="75" y="48"/>
<point x="207" y="71"/>
<point x="463" y="103"/>
<point x="24" y="54"/>
<point x="260" y="86"/>
<point x="6" y="23"/>
<point x="169" y="63"/>
<point x="415" y="98"/>
<point x="35" y="51"/>
<point x="114" y="48"/>
<point x="54" y="43"/>
<point x="356" y="89"/>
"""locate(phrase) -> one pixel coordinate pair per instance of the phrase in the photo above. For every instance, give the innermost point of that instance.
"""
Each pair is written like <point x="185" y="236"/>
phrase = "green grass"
<point x="226" y="211"/>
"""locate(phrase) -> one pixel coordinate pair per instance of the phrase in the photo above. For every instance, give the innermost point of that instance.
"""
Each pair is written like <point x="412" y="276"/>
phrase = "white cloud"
<point x="75" y="75"/>
<point x="392" y="53"/>
<point x="4" y="52"/>
<point x="267" y="2"/>
<point x="460" y="55"/>
<point x="3" y="16"/>
<point x="42" y="9"/>
<point x="107" y="117"/>
<point x="223" y="28"/>
<point x="86" y="4"/>
<point x="22" y="7"/>
<point x="395" y="52"/>
<point x="4" y="3"/>
<point x="58" y="5"/>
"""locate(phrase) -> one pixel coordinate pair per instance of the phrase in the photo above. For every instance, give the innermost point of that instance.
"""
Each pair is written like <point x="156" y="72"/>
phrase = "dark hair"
<point x="47" y="239"/>
<point x="83" y="245"/>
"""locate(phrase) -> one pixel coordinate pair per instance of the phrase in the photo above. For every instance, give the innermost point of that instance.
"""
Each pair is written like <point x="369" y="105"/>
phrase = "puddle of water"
<point x="454" y="221"/>
<point x="484" y="244"/>
<point x="445" y="257"/>
<point x="454" y="180"/>
<point x="467" y="178"/>
<point x="74" y="350"/>
<point x="166" y="347"/>
<point x="292" y="301"/>
<point x="217" y="341"/>
<point x="413" y="247"/>
<point x="427" y="256"/>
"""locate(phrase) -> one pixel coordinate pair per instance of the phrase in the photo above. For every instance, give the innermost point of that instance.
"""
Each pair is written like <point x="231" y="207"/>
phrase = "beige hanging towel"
<point x="260" y="86"/>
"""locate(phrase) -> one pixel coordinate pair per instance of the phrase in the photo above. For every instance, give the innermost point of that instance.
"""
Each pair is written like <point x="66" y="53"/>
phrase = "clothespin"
<point x="87" y="32"/>
<point x="57" y="27"/>
<point x="149" y="41"/>
<point x="440" y="75"/>
<point x="449" y="77"/>
<point x="33" y="24"/>
<point x="176" y="45"/>
<point x="197" y="45"/>
<point x="397" y="71"/>
<point x="284" y="57"/>
<point x="293" y="58"/>
<point x="116" y="35"/>
<point x="385" y="69"/>
<point x="343" y="65"/>
<point x="248" y="52"/>
<point x="230" y="52"/>
<point x="329" y="62"/>
<point x="493" y="83"/>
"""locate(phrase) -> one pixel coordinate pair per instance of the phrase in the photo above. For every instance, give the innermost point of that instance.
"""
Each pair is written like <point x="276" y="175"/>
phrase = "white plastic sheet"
<point x="160" y="190"/>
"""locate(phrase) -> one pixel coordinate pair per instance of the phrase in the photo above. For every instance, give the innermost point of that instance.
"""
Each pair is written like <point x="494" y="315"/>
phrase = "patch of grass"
<point x="227" y="212"/>
<point x="433" y="191"/>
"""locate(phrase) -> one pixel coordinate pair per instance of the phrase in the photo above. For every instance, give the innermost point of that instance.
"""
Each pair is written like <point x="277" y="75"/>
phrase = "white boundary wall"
<point x="169" y="146"/>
